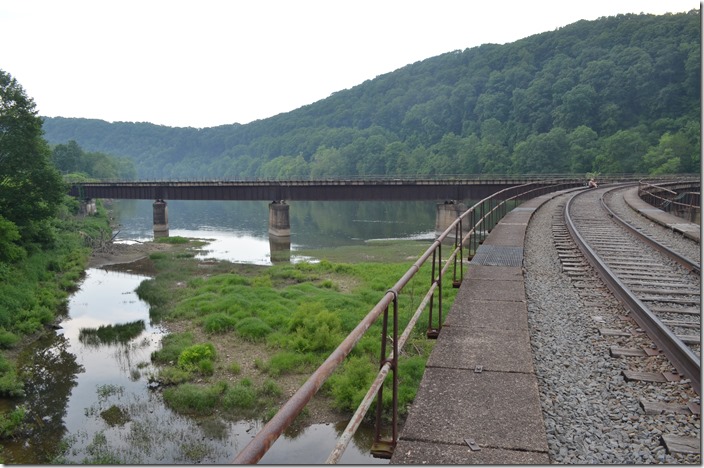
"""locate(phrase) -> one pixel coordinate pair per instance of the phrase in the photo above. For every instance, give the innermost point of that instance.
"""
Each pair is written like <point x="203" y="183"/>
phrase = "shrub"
<point x="315" y="329"/>
<point x="350" y="385"/>
<point x="192" y="357"/>
<point x="7" y="339"/>
<point x="171" y="347"/>
<point x="11" y="421"/>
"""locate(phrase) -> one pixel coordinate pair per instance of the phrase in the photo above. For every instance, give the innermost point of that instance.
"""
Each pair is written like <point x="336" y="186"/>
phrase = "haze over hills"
<point x="618" y="94"/>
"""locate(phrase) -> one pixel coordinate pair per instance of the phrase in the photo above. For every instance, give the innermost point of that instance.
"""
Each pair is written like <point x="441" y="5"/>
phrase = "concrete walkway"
<point x="479" y="390"/>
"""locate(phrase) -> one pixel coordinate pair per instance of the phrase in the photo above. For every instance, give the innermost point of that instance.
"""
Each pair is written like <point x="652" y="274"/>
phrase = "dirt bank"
<point x="126" y="253"/>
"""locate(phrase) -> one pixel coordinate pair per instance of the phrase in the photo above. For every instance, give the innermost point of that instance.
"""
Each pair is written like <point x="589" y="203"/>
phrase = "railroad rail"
<point x="658" y="286"/>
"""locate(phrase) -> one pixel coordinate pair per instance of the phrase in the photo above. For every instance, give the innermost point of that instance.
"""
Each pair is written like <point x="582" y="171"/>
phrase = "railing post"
<point x="458" y="238"/>
<point x="432" y="332"/>
<point x="384" y="447"/>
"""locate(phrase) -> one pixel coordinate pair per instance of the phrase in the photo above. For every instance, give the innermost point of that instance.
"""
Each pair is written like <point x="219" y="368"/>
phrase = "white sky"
<point x="202" y="63"/>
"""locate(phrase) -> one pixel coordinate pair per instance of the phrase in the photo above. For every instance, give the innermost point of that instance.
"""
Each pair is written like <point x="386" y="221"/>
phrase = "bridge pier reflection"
<point x="161" y="219"/>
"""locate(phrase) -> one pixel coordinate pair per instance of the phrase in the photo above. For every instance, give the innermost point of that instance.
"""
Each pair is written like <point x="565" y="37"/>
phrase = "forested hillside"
<point x="619" y="94"/>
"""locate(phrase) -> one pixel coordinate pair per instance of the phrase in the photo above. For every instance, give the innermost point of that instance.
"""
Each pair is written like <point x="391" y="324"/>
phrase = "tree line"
<point x="44" y="242"/>
<point x="617" y="94"/>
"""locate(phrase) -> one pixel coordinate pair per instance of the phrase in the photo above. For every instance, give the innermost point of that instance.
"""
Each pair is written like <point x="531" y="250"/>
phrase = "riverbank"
<point x="123" y="253"/>
<point x="134" y="257"/>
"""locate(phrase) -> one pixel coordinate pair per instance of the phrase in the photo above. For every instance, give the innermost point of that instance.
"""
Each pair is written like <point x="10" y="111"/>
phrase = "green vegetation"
<point x="617" y="94"/>
<point x="44" y="240"/>
<point x="78" y="165"/>
<point x="111" y="334"/>
<point x="294" y="314"/>
<point x="9" y="422"/>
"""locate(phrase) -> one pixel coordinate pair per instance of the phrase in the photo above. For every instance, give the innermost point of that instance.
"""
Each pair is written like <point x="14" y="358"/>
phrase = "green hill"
<point x="618" y="94"/>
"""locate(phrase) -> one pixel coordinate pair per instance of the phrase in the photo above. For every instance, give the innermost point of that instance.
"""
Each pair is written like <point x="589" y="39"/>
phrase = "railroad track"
<point x="659" y="287"/>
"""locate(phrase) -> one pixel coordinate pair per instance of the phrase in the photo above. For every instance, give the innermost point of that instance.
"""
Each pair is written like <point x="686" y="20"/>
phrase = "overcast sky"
<point x="212" y="62"/>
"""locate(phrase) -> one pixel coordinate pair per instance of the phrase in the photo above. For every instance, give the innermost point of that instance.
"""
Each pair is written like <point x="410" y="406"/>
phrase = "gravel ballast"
<point x="591" y="413"/>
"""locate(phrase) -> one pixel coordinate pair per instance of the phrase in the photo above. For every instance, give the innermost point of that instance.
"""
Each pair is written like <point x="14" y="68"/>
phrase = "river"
<point x="90" y="395"/>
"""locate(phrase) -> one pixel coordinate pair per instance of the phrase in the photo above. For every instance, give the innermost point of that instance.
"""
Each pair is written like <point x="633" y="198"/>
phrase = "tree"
<point x="30" y="186"/>
<point x="67" y="158"/>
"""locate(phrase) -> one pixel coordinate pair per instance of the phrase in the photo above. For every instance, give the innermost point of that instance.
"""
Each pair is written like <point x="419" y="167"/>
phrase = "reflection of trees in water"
<point x="50" y="373"/>
<point x="330" y="223"/>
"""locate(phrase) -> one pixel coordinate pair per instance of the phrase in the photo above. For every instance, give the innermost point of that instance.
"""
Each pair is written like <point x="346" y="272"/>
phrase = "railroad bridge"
<point x="446" y="191"/>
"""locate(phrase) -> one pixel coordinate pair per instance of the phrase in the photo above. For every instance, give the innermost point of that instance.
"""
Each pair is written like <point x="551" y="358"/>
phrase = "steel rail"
<point x="681" y="260"/>
<point x="682" y="358"/>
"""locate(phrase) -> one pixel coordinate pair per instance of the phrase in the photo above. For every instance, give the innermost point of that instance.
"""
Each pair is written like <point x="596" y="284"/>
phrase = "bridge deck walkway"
<point x="479" y="382"/>
<point x="668" y="220"/>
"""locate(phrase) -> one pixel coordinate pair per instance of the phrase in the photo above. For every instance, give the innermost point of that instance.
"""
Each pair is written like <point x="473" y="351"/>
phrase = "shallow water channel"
<point x="91" y="395"/>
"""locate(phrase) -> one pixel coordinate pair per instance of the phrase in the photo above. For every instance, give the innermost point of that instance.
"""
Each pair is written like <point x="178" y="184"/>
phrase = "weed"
<point x="235" y="368"/>
<point x="252" y="329"/>
<point x="271" y="388"/>
<point x="195" y="399"/>
<point x="219" y="323"/>
<point x="240" y="396"/>
<point x="172" y="240"/>
<point x="108" y="390"/>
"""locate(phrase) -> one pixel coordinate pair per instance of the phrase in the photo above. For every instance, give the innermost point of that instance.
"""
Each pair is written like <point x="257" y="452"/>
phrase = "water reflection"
<point x="89" y="383"/>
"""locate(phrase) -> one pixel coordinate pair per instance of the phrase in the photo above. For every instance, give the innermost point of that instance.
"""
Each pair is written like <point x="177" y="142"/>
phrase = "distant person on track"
<point x="592" y="183"/>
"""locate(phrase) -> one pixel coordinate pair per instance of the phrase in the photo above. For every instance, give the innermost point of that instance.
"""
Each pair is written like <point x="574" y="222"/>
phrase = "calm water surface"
<point x="94" y="395"/>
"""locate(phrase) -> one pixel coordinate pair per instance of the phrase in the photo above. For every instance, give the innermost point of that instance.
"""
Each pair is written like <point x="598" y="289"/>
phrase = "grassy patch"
<point x="294" y="314"/>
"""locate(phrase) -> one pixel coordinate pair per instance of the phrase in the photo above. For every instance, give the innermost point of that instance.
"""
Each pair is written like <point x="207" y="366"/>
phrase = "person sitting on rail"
<point x="592" y="183"/>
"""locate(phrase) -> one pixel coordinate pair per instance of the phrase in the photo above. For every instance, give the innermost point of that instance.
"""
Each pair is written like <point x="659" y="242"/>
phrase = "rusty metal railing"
<point x="680" y="198"/>
<point x="482" y="217"/>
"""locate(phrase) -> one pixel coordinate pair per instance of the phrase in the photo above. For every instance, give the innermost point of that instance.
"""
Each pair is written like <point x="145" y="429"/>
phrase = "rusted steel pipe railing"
<point x="266" y="437"/>
<point x="678" y="198"/>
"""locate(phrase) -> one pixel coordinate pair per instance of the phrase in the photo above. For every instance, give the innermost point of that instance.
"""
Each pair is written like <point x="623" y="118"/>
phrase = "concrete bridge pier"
<point x="279" y="225"/>
<point x="446" y="213"/>
<point x="161" y="219"/>
<point x="88" y="207"/>
<point x="279" y="232"/>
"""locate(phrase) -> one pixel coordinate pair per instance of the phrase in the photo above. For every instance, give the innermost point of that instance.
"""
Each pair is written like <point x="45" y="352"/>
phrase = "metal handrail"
<point x="266" y="437"/>
<point x="659" y="195"/>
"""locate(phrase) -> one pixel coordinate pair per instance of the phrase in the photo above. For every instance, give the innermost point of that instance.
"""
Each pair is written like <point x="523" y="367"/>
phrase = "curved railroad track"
<point x="660" y="287"/>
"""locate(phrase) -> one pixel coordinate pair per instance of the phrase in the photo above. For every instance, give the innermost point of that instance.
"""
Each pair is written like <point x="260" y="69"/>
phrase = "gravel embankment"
<point x="592" y="415"/>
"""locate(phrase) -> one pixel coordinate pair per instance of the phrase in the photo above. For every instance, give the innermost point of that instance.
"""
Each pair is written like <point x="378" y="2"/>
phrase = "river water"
<point x="91" y="396"/>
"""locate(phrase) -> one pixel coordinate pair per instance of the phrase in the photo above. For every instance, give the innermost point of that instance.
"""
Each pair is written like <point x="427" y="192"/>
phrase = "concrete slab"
<point x="496" y="315"/>
<point x="475" y="271"/>
<point x="517" y="216"/>
<point x="496" y="409"/>
<point x="504" y="234"/>
<point x="413" y="452"/>
<point x="493" y="349"/>
<point x="491" y="290"/>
